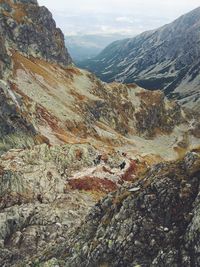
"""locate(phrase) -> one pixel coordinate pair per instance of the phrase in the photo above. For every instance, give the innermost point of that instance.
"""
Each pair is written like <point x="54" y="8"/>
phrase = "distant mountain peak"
<point x="167" y="58"/>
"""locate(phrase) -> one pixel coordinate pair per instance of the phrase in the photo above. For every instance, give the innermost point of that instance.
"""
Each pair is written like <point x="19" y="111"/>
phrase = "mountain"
<point x="70" y="143"/>
<point x="166" y="58"/>
<point x="82" y="47"/>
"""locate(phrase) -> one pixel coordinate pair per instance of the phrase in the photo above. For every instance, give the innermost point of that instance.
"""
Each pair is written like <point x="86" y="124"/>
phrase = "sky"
<point x="128" y="17"/>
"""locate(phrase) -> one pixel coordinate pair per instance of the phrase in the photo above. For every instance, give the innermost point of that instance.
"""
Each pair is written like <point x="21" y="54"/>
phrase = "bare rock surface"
<point x="155" y="225"/>
<point x="46" y="192"/>
<point x="30" y="29"/>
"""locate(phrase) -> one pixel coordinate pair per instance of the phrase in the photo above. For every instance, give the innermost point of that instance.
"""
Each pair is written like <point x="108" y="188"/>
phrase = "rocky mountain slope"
<point x="29" y="29"/>
<point x="67" y="139"/>
<point x="71" y="105"/>
<point x="166" y="58"/>
<point x="153" y="222"/>
<point x="47" y="100"/>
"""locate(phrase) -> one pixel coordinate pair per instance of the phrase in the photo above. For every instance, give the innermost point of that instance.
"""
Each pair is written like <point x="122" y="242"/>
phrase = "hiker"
<point x="104" y="158"/>
<point x="122" y="165"/>
<point x="40" y="198"/>
<point x="124" y="154"/>
<point x="97" y="160"/>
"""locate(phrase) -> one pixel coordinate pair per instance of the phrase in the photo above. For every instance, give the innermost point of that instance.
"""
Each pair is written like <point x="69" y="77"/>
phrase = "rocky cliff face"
<point x="167" y="58"/>
<point x="14" y="128"/>
<point x="36" y="206"/>
<point x="149" y="222"/>
<point x="31" y="30"/>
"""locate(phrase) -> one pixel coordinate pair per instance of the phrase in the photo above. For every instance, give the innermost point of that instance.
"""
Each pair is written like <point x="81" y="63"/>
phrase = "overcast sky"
<point x="110" y="16"/>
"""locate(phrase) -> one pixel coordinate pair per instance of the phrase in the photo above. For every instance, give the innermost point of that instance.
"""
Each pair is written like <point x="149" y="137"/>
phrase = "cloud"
<point x="119" y="6"/>
<point x="124" y="19"/>
<point x="106" y="15"/>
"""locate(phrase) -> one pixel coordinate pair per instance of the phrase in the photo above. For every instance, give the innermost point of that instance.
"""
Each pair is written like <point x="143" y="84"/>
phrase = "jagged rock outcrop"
<point x="14" y="128"/>
<point x="37" y="209"/>
<point x="46" y="192"/>
<point x="166" y="58"/>
<point x="30" y="29"/>
<point x="153" y="222"/>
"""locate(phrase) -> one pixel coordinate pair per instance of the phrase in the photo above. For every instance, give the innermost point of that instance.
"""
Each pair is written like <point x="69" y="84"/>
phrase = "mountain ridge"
<point x="149" y="60"/>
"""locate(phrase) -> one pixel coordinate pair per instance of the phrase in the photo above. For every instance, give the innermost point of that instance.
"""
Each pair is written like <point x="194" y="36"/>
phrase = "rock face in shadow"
<point x="31" y="30"/>
<point x="15" y="129"/>
<point x="5" y="60"/>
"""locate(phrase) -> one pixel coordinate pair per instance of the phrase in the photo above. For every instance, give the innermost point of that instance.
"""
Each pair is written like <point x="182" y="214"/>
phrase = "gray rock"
<point x="161" y="234"/>
<point x="34" y="33"/>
